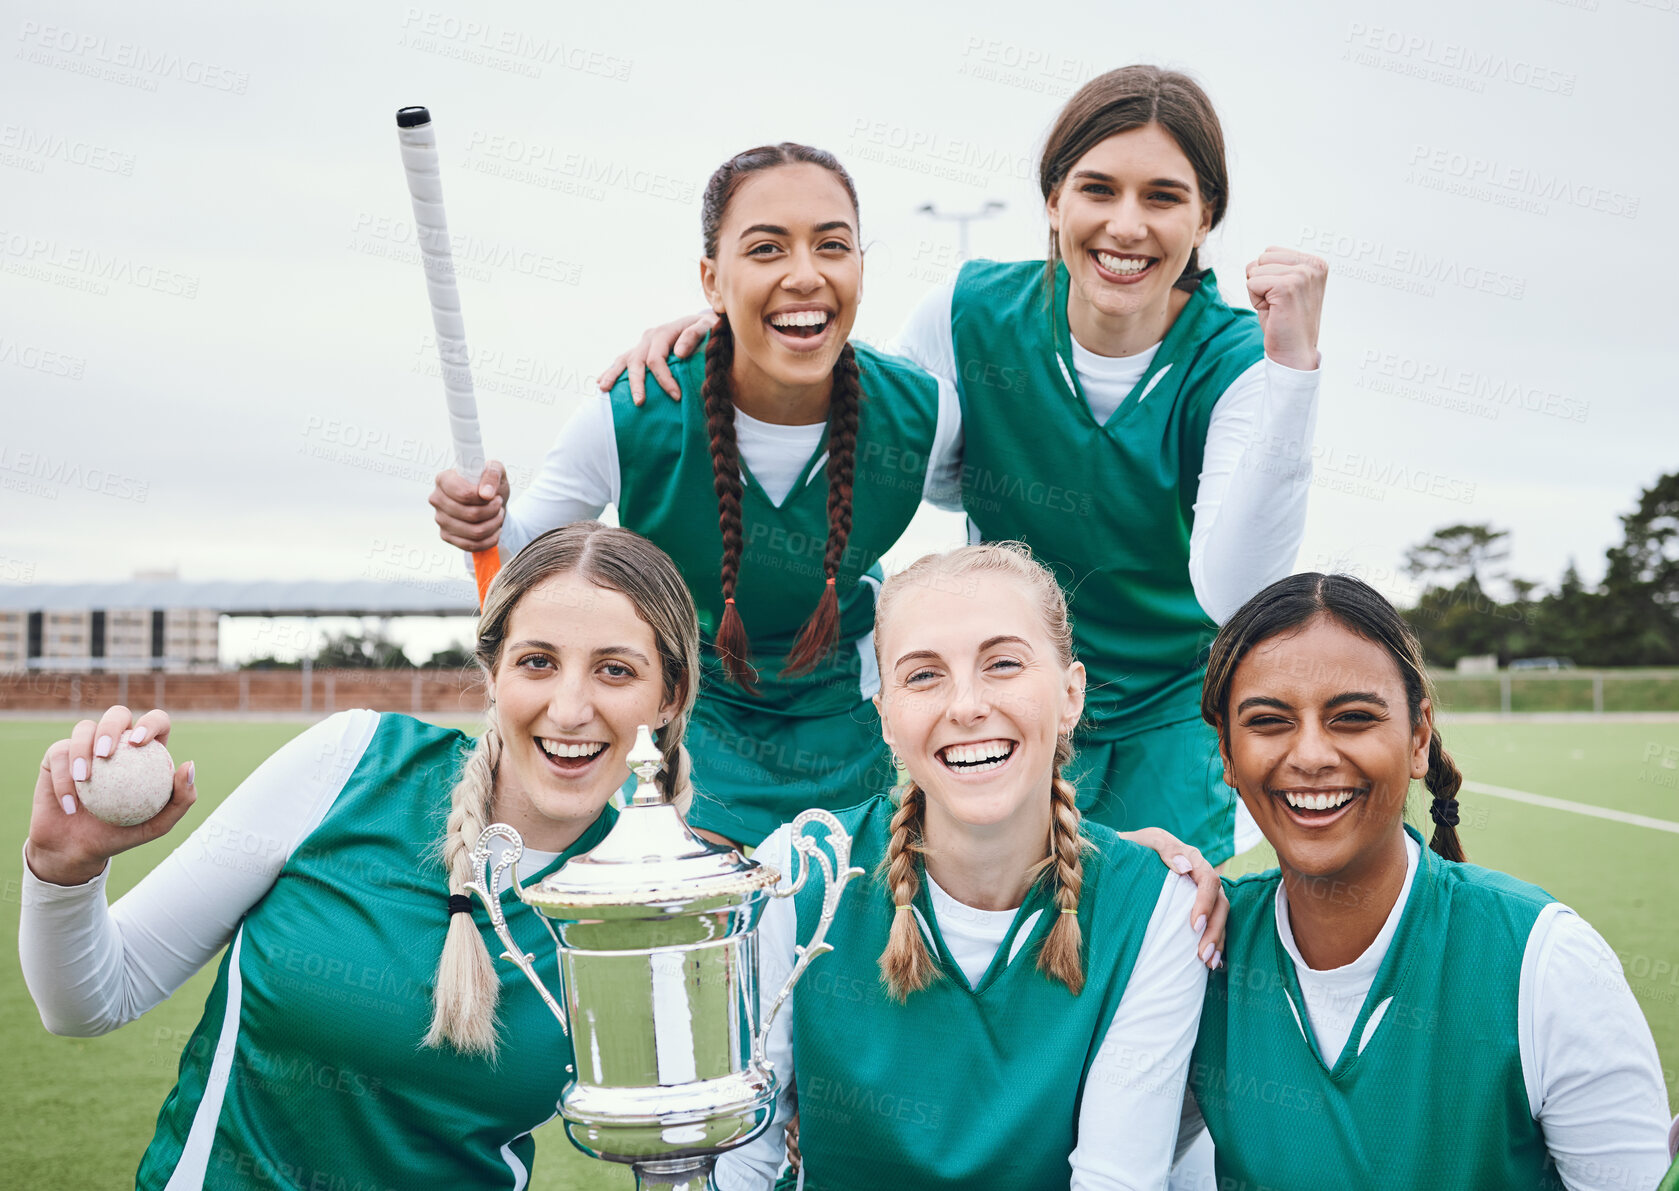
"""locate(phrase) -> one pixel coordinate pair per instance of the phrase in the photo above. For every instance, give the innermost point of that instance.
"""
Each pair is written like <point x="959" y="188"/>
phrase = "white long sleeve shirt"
<point x="1594" y="1081"/>
<point x="1134" y="1091"/>
<point x="1250" y="514"/>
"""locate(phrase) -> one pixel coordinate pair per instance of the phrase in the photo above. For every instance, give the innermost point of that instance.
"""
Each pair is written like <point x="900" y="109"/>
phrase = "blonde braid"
<point x="1061" y="955"/>
<point x="464" y="1003"/>
<point x="906" y="965"/>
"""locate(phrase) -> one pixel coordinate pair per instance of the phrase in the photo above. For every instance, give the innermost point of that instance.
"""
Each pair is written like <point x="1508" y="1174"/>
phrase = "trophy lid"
<point x="649" y="858"/>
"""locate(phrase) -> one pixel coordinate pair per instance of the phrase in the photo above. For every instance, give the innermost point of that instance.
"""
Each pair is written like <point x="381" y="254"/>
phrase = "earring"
<point x="897" y="761"/>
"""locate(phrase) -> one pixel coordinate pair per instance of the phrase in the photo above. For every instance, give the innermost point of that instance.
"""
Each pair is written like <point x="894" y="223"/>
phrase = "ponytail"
<point x="1443" y="781"/>
<point x="464" y="1001"/>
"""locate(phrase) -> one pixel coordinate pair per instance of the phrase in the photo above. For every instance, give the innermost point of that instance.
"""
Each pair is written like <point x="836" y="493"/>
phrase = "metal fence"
<point x="1597" y="691"/>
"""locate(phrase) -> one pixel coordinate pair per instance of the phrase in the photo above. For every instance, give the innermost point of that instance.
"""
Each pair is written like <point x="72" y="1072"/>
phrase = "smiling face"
<point x="973" y="699"/>
<point x="578" y="673"/>
<point x="1126" y="218"/>
<point x="1319" y="743"/>
<point x="788" y="272"/>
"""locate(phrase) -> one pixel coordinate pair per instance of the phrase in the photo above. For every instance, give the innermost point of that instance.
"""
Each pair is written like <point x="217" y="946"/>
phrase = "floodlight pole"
<point x="962" y="219"/>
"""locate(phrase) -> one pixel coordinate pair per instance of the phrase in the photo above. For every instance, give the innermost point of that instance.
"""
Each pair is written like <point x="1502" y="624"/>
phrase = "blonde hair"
<point x="464" y="1003"/>
<point x="906" y="965"/>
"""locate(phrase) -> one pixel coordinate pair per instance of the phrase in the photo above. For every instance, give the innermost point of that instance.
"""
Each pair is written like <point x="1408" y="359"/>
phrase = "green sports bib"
<point x="1428" y="1091"/>
<point x="1108" y="506"/>
<point x="958" y="1087"/>
<point x="306" y="1070"/>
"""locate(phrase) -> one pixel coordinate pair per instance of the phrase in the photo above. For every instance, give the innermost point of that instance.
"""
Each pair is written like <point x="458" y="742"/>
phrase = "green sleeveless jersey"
<point x="1109" y="507"/>
<point x="1428" y="1091"/>
<point x="1670" y="1181"/>
<point x="306" y="1071"/>
<point x="812" y="740"/>
<point x="957" y="1087"/>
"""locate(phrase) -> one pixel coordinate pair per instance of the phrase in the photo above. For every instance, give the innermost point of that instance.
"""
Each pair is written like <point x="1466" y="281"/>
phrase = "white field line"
<point x="1562" y="804"/>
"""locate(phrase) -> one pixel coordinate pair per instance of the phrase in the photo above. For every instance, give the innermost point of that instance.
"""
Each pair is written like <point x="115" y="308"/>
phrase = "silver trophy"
<point x="658" y="950"/>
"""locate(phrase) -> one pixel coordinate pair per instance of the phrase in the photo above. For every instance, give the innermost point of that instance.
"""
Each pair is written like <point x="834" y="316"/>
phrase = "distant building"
<point x="172" y="639"/>
<point x="160" y="622"/>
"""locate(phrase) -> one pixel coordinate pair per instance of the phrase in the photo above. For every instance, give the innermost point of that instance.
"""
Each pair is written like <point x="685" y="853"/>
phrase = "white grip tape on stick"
<point x="425" y="187"/>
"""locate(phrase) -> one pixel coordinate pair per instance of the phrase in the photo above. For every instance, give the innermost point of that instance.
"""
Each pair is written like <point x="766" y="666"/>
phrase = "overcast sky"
<point x="215" y="348"/>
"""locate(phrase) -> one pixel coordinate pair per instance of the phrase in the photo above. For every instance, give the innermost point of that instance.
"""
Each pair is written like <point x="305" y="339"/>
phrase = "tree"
<point x="350" y="651"/>
<point x="454" y="657"/>
<point x="269" y="662"/>
<point x="1460" y="552"/>
<point x="1641" y="584"/>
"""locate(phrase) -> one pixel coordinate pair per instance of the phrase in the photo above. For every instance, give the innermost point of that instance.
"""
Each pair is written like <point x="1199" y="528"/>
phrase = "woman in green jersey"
<point x="337" y="1049"/>
<point x="1012" y="999"/>
<point x="1390" y="1015"/>
<point x="796" y="462"/>
<point x="1151" y="443"/>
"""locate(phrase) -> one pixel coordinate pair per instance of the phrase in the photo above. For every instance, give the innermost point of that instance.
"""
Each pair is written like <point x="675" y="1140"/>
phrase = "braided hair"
<point x="906" y="965"/>
<point x="820" y="632"/>
<point x="1357" y="607"/>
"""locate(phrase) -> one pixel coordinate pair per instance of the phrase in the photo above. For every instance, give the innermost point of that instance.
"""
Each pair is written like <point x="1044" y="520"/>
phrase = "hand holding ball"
<point x="130" y="786"/>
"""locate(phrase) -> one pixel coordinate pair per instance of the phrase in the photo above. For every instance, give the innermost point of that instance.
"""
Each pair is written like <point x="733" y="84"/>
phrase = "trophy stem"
<point x="675" y="1174"/>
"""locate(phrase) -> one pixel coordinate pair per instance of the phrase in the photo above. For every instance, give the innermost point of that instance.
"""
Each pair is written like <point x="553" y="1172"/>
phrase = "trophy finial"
<point x="645" y="761"/>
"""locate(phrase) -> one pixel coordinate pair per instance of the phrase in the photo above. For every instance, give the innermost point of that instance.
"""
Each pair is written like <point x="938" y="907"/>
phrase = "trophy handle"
<point x="835" y="876"/>
<point x="484" y="888"/>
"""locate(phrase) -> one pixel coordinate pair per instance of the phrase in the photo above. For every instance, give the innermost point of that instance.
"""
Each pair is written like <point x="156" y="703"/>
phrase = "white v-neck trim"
<point x="1335" y="996"/>
<point x="777" y="455"/>
<point x="972" y="936"/>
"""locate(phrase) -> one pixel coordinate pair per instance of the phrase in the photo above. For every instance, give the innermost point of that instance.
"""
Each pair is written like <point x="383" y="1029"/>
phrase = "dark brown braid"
<point x="1443" y="781"/>
<point x="821" y="631"/>
<point x="732" y="644"/>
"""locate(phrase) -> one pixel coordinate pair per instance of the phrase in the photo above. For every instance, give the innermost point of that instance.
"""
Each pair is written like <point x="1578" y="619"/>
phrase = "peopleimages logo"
<point x="33" y="147"/>
<point x="146" y="63"/>
<point x="1506" y="184"/>
<point x="1402" y="267"/>
<point x="48" y="259"/>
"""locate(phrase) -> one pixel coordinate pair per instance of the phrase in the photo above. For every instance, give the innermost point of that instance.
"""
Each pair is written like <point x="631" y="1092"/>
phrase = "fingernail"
<point x="103" y="748"/>
<point x="192" y="772"/>
<point x="1218" y="959"/>
<point x="486" y="492"/>
<point x="69" y="805"/>
<point x="1181" y="863"/>
<point x="1201" y="924"/>
<point x="137" y="736"/>
<point x="78" y="770"/>
<point x="1207" y="952"/>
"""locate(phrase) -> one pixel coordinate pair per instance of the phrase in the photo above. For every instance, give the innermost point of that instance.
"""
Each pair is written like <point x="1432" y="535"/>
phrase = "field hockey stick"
<point x="425" y="187"/>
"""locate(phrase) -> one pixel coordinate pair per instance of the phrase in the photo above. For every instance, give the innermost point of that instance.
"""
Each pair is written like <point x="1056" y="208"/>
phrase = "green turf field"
<point x="83" y="1109"/>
